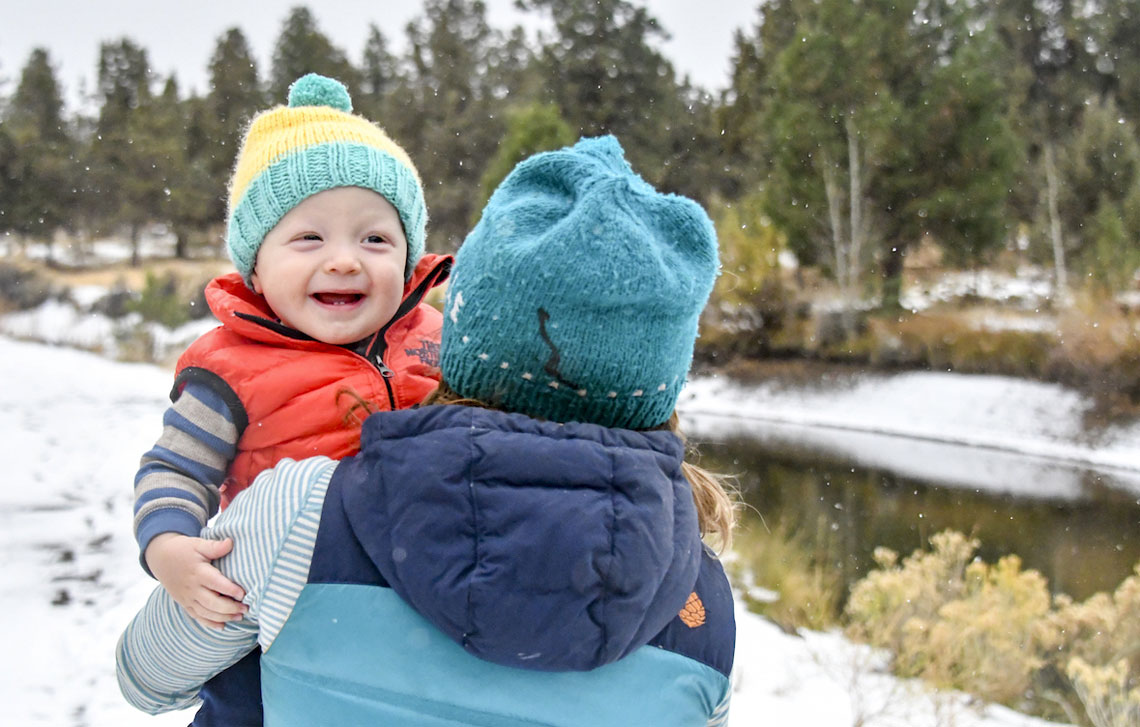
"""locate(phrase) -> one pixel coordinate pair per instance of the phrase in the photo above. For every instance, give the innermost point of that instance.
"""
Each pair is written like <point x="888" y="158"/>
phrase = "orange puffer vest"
<point x="294" y="397"/>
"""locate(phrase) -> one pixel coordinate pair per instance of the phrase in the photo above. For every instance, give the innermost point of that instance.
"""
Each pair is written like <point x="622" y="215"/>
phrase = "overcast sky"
<point x="179" y="36"/>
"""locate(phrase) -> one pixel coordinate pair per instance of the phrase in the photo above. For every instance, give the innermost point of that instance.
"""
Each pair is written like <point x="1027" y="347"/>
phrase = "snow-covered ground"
<point x="154" y="242"/>
<point x="1030" y="288"/>
<point x="74" y="426"/>
<point x="67" y="324"/>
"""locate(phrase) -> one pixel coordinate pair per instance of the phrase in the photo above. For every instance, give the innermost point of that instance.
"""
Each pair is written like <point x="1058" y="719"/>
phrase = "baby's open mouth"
<point x="338" y="298"/>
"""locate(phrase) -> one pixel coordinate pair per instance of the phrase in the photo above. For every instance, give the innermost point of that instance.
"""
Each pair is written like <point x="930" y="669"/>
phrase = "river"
<point x="964" y="455"/>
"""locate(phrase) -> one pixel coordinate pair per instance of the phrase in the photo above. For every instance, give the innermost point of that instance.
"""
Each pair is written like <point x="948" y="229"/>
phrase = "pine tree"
<point x="1100" y="165"/>
<point x="1113" y="27"/>
<point x="446" y="113"/>
<point x="950" y="179"/>
<point x="531" y="129"/>
<point x="302" y="48"/>
<point x="175" y="133"/>
<point x="235" y="96"/>
<point x="42" y="154"/>
<point x="744" y="138"/>
<point x="9" y="181"/>
<point x="1051" y="77"/>
<point x="379" y="76"/>
<point x="607" y="77"/>
<point x="124" y="184"/>
<point x="884" y="123"/>
<point x="515" y="75"/>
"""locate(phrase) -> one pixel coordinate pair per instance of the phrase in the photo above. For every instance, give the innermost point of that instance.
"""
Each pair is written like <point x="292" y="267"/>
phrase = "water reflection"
<point x="1079" y="527"/>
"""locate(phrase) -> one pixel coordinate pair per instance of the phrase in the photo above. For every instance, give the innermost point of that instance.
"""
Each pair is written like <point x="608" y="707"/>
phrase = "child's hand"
<point x="182" y="565"/>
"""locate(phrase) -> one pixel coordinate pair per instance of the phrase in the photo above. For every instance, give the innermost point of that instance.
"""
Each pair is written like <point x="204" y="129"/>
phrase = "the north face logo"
<point x="427" y="353"/>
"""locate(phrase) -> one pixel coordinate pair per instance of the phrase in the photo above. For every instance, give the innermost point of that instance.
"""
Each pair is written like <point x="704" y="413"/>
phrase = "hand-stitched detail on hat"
<point x="551" y="366"/>
<point x="456" y="304"/>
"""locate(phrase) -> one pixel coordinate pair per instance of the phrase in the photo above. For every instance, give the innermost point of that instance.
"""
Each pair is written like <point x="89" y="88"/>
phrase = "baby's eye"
<point x="375" y="239"/>
<point x="310" y="236"/>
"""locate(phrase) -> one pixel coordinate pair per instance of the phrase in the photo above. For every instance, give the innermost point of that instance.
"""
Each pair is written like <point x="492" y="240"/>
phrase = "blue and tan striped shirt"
<point x="178" y="481"/>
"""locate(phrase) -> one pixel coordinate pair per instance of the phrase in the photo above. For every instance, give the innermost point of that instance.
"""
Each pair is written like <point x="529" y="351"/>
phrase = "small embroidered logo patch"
<point x="428" y="352"/>
<point x="693" y="614"/>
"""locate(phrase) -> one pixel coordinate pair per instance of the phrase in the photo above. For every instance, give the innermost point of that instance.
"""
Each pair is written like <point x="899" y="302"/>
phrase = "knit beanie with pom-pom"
<point x="315" y="143"/>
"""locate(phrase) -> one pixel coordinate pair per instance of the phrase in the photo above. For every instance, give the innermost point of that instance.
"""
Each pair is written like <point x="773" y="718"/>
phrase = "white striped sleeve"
<point x="284" y="511"/>
<point x="164" y="656"/>
<point x="719" y="716"/>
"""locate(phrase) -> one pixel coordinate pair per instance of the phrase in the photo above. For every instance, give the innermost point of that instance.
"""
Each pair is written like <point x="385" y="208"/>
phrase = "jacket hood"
<point x="242" y="310"/>
<point x="533" y="544"/>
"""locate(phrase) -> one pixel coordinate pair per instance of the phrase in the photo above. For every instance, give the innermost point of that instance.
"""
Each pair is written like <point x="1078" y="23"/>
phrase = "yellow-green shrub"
<point x="1105" y="693"/>
<point x="886" y="600"/>
<point x="984" y="641"/>
<point x="750" y="303"/>
<point x="993" y="631"/>
<point x="956" y="622"/>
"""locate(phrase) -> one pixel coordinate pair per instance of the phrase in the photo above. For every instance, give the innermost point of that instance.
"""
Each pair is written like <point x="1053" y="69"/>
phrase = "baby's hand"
<point x="182" y="565"/>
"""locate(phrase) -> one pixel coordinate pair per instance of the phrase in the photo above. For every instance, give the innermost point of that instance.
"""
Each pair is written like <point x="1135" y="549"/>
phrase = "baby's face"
<point x="333" y="267"/>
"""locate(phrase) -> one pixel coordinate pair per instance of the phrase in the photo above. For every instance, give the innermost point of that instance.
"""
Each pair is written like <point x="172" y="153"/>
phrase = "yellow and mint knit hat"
<point x="577" y="296"/>
<point x="315" y="143"/>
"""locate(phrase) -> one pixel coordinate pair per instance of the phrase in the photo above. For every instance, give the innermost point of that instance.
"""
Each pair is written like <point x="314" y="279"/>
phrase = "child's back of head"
<point x="577" y="298"/>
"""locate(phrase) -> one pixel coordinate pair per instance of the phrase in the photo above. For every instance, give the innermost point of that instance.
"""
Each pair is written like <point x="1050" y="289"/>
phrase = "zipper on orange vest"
<point x="376" y="349"/>
<point x="376" y="358"/>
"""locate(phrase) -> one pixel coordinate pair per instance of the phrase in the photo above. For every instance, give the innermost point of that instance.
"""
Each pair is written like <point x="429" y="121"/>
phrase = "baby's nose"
<point x="343" y="259"/>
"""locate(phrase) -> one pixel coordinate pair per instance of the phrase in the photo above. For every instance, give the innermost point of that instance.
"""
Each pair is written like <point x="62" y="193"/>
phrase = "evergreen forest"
<point x="852" y="133"/>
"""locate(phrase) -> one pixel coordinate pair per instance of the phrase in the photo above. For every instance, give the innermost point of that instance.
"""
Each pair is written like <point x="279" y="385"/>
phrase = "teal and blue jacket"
<point x="468" y="567"/>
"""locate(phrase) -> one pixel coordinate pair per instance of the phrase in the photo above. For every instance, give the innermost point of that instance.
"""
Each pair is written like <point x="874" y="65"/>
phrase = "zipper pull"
<point x="384" y="370"/>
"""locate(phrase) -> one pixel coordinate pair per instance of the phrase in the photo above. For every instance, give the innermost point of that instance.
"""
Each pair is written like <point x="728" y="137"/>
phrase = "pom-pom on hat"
<point x="577" y="295"/>
<point x="313" y="144"/>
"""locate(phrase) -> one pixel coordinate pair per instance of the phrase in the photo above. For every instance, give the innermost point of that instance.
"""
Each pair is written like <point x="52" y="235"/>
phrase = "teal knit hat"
<point x="576" y="297"/>
<point x="315" y="143"/>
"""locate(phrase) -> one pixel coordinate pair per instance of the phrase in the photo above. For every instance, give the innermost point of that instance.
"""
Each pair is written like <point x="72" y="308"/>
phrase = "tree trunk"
<point x="835" y="220"/>
<point x="1062" y="284"/>
<point x="892" y="277"/>
<point x="840" y="245"/>
<point x="135" y="258"/>
<point x="181" y="243"/>
<point x="856" y="227"/>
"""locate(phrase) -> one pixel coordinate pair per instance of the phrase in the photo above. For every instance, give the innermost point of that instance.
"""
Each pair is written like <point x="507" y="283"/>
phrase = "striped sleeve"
<point x="176" y="487"/>
<point x="164" y="657"/>
<point x="282" y="508"/>
<point x="719" y="716"/>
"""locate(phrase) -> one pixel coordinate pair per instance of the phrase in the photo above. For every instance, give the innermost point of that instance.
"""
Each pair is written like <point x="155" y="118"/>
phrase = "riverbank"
<point x="1026" y="437"/>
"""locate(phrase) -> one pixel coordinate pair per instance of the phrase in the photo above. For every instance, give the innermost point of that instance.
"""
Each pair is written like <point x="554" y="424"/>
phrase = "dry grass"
<point x="779" y="560"/>
<point x="123" y="275"/>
